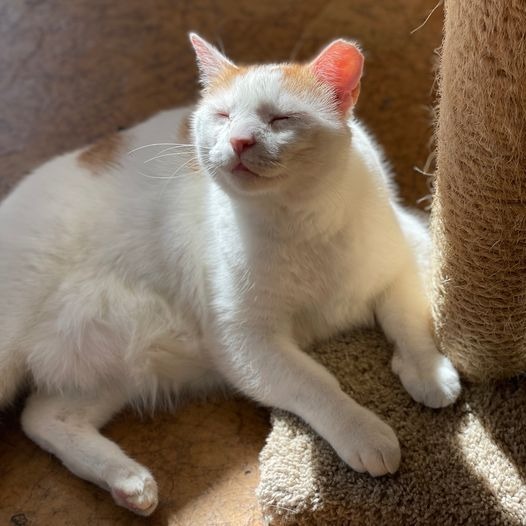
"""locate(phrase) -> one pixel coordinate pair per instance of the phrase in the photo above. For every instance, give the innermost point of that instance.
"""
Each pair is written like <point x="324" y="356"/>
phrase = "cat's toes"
<point x="373" y="448"/>
<point x="136" y="491"/>
<point x="435" y="384"/>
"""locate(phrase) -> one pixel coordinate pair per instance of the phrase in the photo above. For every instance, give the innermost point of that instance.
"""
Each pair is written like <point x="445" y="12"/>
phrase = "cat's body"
<point x="123" y="283"/>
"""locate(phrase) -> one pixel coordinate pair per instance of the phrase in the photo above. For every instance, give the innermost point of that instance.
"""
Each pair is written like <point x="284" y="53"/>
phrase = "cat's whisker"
<point x="154" y="176"/>
<point x="192" y="148"/>
<point x="163" y="177"/>
<point x="170" y="144"/>
<point x="173" y="154"/>
<point x="183" y="165"/>
<point x="151" y="145"/>
<point x="178" y="146"/>
<point x="174" y="175"/>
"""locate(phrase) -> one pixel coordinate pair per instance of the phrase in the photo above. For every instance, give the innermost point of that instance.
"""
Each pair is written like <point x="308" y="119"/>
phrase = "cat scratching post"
<point x="479" y="210"/>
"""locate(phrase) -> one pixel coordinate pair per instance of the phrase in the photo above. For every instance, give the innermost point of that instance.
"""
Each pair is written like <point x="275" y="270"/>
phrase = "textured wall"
<point x="72" y="71"/>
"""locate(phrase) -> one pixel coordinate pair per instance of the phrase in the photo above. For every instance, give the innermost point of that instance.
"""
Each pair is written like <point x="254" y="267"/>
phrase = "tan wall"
<point x="72" y="70"/>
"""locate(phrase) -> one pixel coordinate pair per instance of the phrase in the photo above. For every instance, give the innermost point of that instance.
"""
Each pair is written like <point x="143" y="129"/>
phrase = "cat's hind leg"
<point x="68" y="428"/>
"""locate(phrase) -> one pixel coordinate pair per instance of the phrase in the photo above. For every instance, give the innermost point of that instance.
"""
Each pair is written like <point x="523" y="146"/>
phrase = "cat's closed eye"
<point x="277" y="118"/>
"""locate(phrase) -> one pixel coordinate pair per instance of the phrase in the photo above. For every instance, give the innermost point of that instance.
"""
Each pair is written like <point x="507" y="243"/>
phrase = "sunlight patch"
<point x="494" y="468"/>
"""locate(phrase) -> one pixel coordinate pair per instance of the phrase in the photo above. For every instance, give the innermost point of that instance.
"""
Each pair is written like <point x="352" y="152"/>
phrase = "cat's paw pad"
<point x="136" y="491"/>
<point x="435" y="384"/>
<point x="373" y="447"/>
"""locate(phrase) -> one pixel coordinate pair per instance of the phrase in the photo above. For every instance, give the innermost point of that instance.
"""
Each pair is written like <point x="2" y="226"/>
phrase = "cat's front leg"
<point x="270" y="368"/>
<point x="404" y="313"/>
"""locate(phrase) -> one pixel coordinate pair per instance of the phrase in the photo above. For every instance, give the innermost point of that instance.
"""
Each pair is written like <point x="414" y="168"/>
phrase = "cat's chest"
<point x="309" y="274"/>
<point x="335" y="291"/>
<point x="323" y="287"/>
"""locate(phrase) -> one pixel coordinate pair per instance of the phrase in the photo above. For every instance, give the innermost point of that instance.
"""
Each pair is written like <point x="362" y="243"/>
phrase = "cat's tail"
<point x="12" y="376"/>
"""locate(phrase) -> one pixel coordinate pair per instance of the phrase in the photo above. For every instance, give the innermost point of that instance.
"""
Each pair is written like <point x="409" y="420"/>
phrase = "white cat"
<point x="138" y="268"/>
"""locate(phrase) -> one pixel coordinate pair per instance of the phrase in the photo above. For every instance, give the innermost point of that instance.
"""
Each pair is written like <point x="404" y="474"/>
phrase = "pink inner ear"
<point x="340" y="65"/>
<point x="210" y="60"/>
<point x="204" y="52"/>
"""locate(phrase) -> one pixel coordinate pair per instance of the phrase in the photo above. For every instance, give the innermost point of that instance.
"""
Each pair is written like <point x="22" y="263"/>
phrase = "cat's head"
<point x="273" y="128"/>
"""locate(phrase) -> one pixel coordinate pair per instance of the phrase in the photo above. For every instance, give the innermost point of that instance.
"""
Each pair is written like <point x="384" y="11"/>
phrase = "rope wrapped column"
<point x="479" y="209"/>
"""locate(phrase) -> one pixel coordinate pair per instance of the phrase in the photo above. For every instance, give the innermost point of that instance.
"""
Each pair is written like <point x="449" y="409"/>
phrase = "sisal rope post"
<point x="479" y="209"/>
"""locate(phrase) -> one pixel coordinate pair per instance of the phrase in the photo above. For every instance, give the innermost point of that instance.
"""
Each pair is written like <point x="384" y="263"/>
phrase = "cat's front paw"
<point x="434" y="383"/>
<point x="371" y="446"/>
<point x="135" y="489"/>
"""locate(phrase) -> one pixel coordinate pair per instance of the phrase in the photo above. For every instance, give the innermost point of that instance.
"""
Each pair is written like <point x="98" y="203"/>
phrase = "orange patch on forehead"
<point x="225" y="78"/>
<point x="299" y="79"/>
<point x="103" y="154"/>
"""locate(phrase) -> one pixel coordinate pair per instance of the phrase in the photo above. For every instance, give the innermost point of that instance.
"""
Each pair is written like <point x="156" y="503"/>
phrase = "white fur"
<point x="132" y="285"/>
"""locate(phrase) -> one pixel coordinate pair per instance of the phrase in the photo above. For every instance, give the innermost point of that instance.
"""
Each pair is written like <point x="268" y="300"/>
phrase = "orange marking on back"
<point x="103" y="154"/>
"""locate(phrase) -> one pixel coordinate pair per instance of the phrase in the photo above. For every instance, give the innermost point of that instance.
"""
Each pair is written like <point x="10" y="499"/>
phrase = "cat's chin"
<point x="242" y="179"/>
<point x="242" y="172"/>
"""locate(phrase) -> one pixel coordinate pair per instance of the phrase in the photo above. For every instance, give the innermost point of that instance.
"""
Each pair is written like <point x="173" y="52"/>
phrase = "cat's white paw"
<point x="435" y="383"/>
<point x="371" y="446"/>
<point x="136" y="490"/>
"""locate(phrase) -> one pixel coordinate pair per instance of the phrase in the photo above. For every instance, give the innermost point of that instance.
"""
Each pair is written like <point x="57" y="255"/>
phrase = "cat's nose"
<point x="240" y="144"/>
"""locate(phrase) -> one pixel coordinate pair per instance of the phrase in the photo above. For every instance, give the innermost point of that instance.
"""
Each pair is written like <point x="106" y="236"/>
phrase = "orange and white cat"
<point x="144" y="266"/>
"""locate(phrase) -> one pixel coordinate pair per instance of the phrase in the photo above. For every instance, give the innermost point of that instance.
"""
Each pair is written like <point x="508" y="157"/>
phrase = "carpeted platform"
<point x="462" y="465"/>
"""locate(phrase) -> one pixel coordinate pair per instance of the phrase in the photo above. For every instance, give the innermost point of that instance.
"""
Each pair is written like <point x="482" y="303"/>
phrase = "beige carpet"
<point x="461" y="465"/>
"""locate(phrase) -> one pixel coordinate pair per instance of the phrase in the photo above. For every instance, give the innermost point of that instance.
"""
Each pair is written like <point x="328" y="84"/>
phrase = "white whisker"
<point x="155" y="176"/>
<point x="173" y="175"/>
<point x="183" y="165"/>
<point x="164" y="177"/>
<point x="170" y="144"/>
<point x="173" y="154"/>
<point x="178" y="146"/>
<point x="153" y="144"/>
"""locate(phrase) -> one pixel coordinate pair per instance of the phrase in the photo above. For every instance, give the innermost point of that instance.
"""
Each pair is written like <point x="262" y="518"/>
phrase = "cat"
<point x="151" y="264"/>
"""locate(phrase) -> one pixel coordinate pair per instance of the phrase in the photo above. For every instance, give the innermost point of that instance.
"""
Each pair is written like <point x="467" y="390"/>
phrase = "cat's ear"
<point x="210" y="60"/>
<point x="340" y="65"/>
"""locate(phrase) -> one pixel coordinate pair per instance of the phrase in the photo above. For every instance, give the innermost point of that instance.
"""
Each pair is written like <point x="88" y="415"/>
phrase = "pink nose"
<point x="239" y="144"/>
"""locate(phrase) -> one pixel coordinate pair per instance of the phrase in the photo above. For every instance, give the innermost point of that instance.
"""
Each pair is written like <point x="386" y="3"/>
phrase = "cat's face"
<point x="266" y="128"/>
